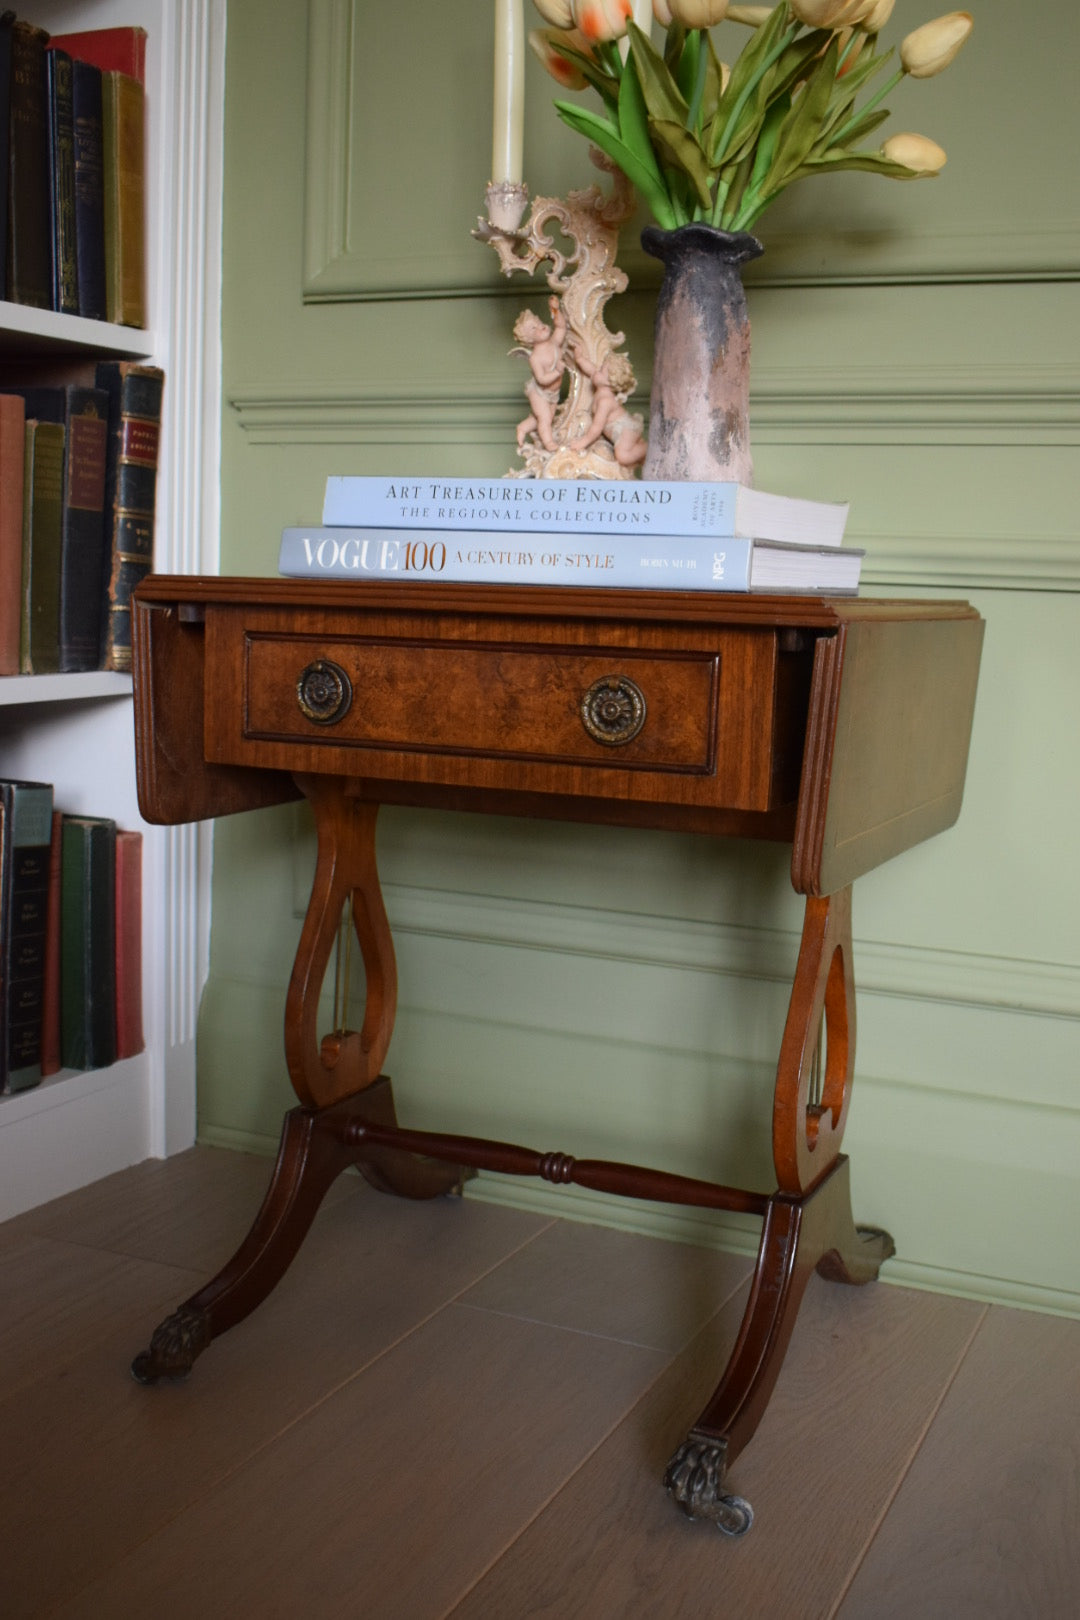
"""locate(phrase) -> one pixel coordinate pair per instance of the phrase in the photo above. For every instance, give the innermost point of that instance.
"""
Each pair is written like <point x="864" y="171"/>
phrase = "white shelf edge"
<point x="64" y="332"/>
<point x="23" y="689"/>
<point x="60" y="1088"/>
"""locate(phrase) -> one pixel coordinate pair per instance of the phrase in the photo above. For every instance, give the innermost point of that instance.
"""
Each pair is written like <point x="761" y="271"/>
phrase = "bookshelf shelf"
<point x="29" y="333"/>
<point x="26" y="689"/>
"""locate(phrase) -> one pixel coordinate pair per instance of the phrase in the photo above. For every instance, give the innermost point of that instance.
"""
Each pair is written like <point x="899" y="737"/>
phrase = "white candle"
<point x="643" y="16"/>
<point x="508" y="125"/>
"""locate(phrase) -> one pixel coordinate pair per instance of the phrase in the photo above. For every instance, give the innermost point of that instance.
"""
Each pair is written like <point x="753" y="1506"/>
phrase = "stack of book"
<point x="70" y="938"/>
<point x="72" y="145"/>
<point x="78" y="478"/>
<point x="625" y="534"/>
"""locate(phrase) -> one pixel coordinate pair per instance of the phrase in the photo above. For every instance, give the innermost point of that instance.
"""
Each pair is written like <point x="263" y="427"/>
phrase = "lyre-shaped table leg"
<point x="338" y="1081"/>
<point x="808" y="1225"/>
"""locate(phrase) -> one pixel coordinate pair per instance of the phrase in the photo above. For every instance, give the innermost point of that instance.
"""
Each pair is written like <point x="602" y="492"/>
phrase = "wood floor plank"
<point x="992" y="1502"/>
<point x="58" y="1298"/>
<point x="862" y="1375"/>
<point x="191" y="1210"/>
<point x="114" y="1461"/>
<point x="591" y="1279"/>
<point x="389" y="1499"/>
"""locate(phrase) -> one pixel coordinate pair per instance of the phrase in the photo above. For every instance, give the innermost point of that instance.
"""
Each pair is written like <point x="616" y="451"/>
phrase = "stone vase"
<point x="699" y="423"/>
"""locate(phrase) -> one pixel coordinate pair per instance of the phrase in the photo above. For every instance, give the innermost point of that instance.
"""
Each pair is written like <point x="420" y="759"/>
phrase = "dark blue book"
<point x="6" y="20"/>
<point x="58" y="85"/>
<point x="89" y="188"/>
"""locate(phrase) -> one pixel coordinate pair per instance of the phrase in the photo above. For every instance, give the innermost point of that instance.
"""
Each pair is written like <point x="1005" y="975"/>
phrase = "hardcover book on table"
<point x="628" y="562"/>
<point x="586" y="505"/>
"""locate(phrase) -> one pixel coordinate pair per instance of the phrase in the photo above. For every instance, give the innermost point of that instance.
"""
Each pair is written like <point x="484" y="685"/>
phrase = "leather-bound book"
<point x="12" y="464"/>
<point x="123" y="116"/>
<point x="129" y="1024"/>
<point x="50" y="993"/>
<point x="29" y="236"/>
<point x="121" y="49"/>
<point x="61" y="122"/>
<point x="83" y="413"/>
<point x="7" y="19"/>
<point x="43" y="510"/>
<point x="134" y="393"/>
<point x="88" y="943"/>
<point x="25" y="827"/>
<point x="89" y="188"/>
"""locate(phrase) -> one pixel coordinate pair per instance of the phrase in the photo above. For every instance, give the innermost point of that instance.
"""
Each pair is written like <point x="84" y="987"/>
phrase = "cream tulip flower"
<point x="601" y="19"/>
<point x="916" y="152"/>
<point x="555" y="12"/>
<point x="831" y="13"/>
<point x="662" y="13"/>
<point x="932" y="47"/>
<point x="875" y="19"/>
<point x="698" y="13"/>
<point x="749" y="16"/>
<point x="541" y="40"/>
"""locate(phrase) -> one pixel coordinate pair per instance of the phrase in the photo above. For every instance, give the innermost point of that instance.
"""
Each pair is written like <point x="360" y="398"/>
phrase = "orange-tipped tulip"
<point x="601" y="19"/>
<point x="563" y="72"/>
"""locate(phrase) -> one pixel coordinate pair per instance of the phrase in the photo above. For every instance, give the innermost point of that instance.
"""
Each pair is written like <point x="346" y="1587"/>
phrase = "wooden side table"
<point x="839" y="725"/>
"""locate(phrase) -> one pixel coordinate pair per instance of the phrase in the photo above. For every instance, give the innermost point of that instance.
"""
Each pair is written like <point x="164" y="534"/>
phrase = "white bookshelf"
<point x="76" y="731"/>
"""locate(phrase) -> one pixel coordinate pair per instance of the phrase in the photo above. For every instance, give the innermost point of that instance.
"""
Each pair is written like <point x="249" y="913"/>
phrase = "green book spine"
<point x="43" y="520"/>
<point x="25" y="824"/>
<point x="88" y="942"/>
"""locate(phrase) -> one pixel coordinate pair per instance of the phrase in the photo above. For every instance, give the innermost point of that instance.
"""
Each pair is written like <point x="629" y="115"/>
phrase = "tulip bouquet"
<point x="704" y="141"/>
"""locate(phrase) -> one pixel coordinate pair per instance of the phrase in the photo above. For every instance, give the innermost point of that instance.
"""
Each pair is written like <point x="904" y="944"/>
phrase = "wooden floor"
<point x="454" y="1409"/>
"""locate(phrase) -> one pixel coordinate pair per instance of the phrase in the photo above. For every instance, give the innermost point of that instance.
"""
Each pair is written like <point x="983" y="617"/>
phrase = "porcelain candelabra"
<point x="578" y="424"/>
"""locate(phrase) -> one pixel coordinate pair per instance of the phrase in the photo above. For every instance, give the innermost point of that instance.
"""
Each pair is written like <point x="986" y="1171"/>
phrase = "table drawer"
<point x="579" y="706"/>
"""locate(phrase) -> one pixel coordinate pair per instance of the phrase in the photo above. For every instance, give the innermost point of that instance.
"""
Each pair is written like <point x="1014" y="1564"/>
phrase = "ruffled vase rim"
<point x="736" y="247"/>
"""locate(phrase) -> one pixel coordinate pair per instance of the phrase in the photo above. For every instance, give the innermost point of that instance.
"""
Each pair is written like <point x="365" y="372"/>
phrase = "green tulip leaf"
<point x="662" y="95"/>
<point x="683" y="151"/>
<point x="634" y="122"/>
<point x="646" y="179"/>
<point x="803" y="123"/>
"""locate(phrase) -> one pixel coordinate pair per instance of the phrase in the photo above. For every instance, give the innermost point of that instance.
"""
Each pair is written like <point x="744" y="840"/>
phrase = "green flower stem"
<point x="837" y="138"/>
<point x="693" y="119"/>
<point x="736" y="113"/>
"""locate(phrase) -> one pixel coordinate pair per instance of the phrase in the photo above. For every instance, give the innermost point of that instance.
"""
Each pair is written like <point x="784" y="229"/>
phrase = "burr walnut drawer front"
<point x="579" y="705"/>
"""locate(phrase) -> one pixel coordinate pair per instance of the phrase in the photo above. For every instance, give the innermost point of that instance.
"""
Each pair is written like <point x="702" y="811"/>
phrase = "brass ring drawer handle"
<point x="324" y="692"/>
<point x="613" y="710"/>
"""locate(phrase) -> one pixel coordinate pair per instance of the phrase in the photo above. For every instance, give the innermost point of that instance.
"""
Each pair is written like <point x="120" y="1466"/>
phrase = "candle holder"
<point x="578" y="424"/>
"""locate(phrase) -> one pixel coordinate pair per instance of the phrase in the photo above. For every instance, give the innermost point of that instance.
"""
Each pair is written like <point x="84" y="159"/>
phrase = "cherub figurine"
<point x="612" y="381"/>
<point x="544" y="347"/>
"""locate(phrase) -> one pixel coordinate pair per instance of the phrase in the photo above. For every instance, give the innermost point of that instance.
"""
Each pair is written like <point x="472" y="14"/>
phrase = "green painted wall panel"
<point x="585" y="989"/>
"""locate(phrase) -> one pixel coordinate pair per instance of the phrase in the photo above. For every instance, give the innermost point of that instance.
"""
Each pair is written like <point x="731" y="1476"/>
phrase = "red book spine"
<point x="50" y="998"/>
<point x="129" y="1027"/>
<point x="114" y="50"/>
